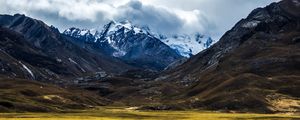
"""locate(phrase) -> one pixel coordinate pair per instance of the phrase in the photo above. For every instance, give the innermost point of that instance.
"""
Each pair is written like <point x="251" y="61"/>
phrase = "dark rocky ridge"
<point x="44" y="49"/>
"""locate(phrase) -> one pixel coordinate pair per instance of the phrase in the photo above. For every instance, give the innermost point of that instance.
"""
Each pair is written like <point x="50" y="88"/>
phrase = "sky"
<point x="208" y="17"/>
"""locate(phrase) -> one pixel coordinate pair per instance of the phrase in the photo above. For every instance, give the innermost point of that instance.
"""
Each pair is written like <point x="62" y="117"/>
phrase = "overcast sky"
<point x="210" y="17"/>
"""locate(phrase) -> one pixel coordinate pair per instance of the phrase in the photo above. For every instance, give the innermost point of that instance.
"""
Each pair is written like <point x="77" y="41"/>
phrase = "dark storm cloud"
<point x="158" y="19"/>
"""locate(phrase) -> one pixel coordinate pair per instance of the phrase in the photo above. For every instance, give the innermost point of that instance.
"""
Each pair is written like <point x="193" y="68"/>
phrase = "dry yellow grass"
<point x="128" y="114"/>
<point x="283" y="103"/>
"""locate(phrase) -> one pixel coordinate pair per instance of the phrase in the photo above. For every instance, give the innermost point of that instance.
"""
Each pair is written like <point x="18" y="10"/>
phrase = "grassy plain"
<point x="117" y="113"/>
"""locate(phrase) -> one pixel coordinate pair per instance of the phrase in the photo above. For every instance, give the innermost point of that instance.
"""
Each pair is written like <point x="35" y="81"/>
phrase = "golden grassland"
<point x="117" y="113"/>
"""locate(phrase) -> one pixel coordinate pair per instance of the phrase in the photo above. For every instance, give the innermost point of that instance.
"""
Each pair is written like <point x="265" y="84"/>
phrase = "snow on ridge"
<point x="84" y="32"/>
<point x="27" y="69"/>
<point x="297" y="2"/>
<point x="187" y="45"/>
<point x="127" y="24"/>
<point x="251" y="24"/>
<point x="119" y="53"/>
<point x="72" y="61"/>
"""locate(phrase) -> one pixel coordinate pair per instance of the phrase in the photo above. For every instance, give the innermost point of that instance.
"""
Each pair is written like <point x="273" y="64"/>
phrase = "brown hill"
<point x="20" y="95"/>
<point x="254" y="67"/>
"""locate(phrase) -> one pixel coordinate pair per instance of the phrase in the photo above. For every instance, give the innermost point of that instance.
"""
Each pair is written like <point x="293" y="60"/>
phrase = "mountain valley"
<point x="253" y="68"/>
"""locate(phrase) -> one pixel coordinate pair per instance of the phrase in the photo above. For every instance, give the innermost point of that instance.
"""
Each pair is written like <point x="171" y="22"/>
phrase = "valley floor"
<point x="117" y="113"/>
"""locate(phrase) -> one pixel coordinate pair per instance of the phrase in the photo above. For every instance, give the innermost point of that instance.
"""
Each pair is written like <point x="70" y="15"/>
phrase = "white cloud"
<point x="212" y="17"/>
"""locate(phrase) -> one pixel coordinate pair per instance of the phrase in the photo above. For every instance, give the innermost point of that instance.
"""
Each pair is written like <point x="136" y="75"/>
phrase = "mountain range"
<point x="128" y="43"/>
<point x="183" y="44"/>
<point x="31" y="45"/>
<point x="254" y="67"/>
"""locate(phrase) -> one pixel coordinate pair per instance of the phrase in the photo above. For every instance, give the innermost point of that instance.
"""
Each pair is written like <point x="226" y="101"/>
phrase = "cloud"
<point x="211" y="17"/>
<point x="157" y="18"/>
<point x="135" y="5"/>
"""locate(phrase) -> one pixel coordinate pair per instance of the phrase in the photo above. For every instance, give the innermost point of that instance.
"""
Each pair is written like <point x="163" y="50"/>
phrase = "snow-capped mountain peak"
<point x="113" y="26"/>
<point x="185" y="44"/>
<point x="77" y="31"/>
<point x="123" y="26"/>
<point x="85" y="34"/>
<point x="130" y="43"/>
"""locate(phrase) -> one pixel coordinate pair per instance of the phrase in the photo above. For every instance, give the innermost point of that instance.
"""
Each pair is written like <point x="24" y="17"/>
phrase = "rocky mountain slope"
<point x="33" y="55"/>
<point x="120" y="39"/>
<point x="30" y="49"/>
<point x="254" y="66"/>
